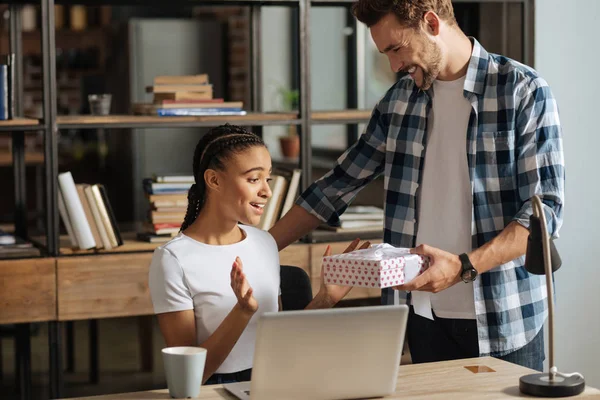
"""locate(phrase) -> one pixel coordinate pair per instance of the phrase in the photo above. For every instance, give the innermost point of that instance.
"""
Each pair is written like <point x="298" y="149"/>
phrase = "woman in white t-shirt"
<point x="210" y="283"/>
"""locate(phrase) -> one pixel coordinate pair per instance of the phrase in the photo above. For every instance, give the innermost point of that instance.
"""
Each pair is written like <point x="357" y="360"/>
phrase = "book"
<point x="11" y="85"/>
<point x="202" y="88"/>
<point x="88" y="214"/>
<point x="198" y="112"/>
<point x="182" y="96"/>
<point x="181" y="79"/>
<point x="168" y="200"/>
<point x="74" y="208"/>
<point x="154" y="238"/>
<point x="173" y="178"/>
<point x="95" y="209"/>
<point x="4" y="92"/>
<point x="292" y="192"/>
<point x="152" y="187"/>
<point x="111" y="231"/>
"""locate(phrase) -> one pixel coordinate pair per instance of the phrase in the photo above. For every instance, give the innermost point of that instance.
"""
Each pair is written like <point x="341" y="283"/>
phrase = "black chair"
<point x="296" y="290"/>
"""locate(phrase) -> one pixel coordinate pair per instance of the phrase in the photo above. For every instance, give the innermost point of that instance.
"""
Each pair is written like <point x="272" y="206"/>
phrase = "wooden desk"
<point x="442" y="380"/>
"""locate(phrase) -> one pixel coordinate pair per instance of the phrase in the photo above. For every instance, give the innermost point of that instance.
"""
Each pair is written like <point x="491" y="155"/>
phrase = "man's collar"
<point x="478" y="68"/>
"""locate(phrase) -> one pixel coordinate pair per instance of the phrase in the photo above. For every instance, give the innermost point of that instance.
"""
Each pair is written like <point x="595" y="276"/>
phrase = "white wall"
<point x="567" y="56"/>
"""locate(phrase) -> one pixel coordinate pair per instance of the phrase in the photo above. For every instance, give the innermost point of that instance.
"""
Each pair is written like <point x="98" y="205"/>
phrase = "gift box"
<point x="379" y="266"/>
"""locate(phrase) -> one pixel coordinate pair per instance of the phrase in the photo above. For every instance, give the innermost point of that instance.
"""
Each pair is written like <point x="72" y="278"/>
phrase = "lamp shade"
<point x="534" y="261"/>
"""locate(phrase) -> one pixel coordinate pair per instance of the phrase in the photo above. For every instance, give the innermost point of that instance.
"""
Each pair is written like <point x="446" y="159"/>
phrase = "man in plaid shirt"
<point x="463" y="142"/>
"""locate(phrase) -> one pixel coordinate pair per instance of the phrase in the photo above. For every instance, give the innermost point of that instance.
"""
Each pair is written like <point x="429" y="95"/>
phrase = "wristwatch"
<point x="468" y="273"/>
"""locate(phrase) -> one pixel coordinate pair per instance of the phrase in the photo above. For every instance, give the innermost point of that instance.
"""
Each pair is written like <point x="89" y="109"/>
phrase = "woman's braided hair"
<point x="215" y="147"/>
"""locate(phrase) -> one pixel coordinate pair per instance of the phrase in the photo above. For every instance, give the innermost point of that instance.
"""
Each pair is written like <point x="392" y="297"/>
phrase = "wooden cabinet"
<point x="103" y="286"/>
<point x="27" y="290"/>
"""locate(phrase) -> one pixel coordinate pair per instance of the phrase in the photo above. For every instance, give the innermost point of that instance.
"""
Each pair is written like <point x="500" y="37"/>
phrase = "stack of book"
<point x="359" y="219"/>
<point x="167" y="196"/>
<point x="186" y="95"/>
<point x="87" y="215"/>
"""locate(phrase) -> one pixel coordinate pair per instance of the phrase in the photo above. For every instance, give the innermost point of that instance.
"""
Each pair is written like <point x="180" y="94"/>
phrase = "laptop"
<point x="340" y="353"/>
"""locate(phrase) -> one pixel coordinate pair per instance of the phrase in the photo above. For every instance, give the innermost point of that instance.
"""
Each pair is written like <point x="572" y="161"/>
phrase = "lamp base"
<point x="541" y="386"/>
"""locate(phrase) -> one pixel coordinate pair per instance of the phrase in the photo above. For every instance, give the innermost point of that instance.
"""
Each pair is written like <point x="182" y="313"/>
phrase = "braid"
<point x="212" y="150"/>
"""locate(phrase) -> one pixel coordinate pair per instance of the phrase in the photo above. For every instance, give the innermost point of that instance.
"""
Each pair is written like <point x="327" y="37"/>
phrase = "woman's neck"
<point x="211" y="227"/>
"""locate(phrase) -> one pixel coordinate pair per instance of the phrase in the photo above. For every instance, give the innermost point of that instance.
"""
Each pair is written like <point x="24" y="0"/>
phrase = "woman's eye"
<point x="269" y="179"/>
<point x="253" y="180"/>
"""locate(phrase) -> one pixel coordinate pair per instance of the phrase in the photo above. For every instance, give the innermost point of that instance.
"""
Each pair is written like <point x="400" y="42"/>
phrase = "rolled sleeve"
<point x="328" y="197"/>
<point x="540" y="158"/>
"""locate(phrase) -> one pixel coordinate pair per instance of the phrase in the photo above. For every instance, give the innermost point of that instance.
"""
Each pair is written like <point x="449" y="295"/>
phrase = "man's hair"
<point x="408" y="12"/>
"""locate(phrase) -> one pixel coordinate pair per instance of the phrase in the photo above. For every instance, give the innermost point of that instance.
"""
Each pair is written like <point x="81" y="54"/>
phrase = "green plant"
<point x="289" y="98"/>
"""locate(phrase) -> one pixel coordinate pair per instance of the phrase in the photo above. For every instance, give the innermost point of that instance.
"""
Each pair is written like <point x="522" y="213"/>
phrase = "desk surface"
<point x="441" y="380"/>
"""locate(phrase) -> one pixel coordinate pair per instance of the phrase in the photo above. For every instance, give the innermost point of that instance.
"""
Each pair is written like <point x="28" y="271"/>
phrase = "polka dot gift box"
<point x="379" y="266"/>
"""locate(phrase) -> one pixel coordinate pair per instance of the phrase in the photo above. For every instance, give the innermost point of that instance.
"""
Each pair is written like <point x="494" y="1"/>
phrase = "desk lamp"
<point x="542" y="258"/>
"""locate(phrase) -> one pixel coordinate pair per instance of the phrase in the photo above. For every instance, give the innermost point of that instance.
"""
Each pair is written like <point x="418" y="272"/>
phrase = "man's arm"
<point x="326" y="199"/>
<point x="302" y="222"/>
<point x="444" y="270"/>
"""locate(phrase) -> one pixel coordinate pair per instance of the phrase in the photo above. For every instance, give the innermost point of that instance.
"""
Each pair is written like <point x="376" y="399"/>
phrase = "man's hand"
<point x="443" y="272"/>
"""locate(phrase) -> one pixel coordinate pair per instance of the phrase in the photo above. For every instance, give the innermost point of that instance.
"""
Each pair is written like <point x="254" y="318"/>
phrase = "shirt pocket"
<point x="496" y="154"/>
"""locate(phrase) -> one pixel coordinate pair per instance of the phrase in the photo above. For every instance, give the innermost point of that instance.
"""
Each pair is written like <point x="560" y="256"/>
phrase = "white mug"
<point x="184" y="368"/>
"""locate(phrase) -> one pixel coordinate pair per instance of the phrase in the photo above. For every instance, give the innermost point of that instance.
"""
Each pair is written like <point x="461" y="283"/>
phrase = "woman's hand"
<point x="242" y="289"/>
<point x="334" y="293"/>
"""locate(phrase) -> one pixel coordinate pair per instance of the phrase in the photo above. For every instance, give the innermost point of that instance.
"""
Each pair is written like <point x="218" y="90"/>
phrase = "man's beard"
<point x="432" y="60"/>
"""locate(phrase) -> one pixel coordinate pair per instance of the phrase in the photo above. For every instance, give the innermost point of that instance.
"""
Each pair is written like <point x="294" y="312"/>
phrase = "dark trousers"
<point x="450" y="339"/>
<point x="219" y="379"/>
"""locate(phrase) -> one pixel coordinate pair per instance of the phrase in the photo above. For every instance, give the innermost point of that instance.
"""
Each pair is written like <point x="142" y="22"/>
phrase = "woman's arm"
<point x="179" y="328"/>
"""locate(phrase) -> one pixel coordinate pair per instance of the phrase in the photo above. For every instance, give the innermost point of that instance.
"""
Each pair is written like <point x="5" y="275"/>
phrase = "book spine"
<point x="11" y="86"/>
<point x="4" y="92"/>
<point x="198" y="112"/>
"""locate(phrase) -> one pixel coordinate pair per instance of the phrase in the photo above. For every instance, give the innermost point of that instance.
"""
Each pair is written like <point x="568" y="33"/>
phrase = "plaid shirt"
<point x="514" y="150"/>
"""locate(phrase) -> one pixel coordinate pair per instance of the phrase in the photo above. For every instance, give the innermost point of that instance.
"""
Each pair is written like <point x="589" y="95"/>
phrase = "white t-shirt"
<point x="445" y="202"/>
<point x="189" y="275"/>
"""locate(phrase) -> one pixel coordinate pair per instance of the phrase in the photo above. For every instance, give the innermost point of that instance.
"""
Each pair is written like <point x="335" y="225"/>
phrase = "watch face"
<point x="469" y="275"/>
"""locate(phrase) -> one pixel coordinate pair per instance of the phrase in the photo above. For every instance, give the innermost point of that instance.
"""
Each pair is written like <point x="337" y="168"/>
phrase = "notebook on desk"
<point x="341" y="353"/>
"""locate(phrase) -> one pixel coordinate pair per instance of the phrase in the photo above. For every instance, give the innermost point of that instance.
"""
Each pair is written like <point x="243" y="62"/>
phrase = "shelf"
<point x="330" y="3"/>
<point x="341" y="116"/>
<point x="130" y="245"/>
<point x="170" y="4"/>
<point x="19" y="124"/>
<point x="149" y="121"/>
<point x="324" y="236"/>
<point x="36" y="158"/>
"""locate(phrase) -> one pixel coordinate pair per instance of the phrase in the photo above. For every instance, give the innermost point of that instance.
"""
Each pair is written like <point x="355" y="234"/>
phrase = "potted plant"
<point x="290" y="143"/>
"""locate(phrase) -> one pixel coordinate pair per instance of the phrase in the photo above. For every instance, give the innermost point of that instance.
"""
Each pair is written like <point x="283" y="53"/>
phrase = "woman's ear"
<point x="212" y="179"/>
